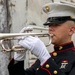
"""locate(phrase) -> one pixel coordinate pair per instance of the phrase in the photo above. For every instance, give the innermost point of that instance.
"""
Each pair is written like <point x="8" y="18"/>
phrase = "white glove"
<point x="37" y="47"/>
<point x="19" y="56"/>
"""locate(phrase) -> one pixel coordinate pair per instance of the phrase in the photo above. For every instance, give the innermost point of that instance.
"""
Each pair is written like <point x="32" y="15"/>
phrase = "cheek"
<point x="62" y="33"/>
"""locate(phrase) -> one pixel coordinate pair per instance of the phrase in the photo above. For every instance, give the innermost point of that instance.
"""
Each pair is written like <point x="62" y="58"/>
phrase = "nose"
<point x="51" y="29"/>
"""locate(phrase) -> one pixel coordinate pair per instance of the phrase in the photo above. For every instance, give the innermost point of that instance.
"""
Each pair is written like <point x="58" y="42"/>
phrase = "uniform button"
<point x="55" y="72"/>
<point x="47" y="66"/>
<point x="54" y="54"/>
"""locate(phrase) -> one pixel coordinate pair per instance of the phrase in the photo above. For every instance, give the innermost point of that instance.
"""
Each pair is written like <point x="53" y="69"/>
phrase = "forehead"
<point x="64" y="24"/>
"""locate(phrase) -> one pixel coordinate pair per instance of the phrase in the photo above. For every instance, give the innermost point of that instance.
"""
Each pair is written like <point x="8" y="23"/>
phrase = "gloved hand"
<point x="37" y="47"/>
<point x="19" y="56"/>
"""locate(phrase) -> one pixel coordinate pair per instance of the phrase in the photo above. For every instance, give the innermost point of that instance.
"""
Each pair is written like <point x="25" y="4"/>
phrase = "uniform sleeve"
<point x="48" y="68"/>
<point x="18" y="68"/>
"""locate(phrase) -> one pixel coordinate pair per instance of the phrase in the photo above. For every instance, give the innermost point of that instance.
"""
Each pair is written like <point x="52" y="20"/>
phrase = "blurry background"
<point x="16" y="14"/>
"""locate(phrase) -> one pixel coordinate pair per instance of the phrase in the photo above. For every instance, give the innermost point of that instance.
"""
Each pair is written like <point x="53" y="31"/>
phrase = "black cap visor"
<point x="58" y="20"/>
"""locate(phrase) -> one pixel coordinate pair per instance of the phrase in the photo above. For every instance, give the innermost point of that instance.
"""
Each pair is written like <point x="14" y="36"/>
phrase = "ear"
<point x="72" y="30"/>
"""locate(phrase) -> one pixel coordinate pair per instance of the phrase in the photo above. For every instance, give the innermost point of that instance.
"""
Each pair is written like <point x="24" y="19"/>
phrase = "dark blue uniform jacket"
<point x="62" y="62"/>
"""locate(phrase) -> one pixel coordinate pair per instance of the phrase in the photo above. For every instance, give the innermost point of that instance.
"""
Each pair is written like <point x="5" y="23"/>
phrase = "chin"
<point x="54" y="43"/>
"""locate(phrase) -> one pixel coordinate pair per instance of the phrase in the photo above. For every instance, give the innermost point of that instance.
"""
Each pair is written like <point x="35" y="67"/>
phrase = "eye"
<point x="54" y="25"/>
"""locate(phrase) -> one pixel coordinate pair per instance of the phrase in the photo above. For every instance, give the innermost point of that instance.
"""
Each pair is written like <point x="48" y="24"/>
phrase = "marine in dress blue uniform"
<point x="62" y="60"/>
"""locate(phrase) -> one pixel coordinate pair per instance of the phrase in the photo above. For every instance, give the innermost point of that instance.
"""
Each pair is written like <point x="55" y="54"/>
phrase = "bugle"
<point x="16" y="36"/>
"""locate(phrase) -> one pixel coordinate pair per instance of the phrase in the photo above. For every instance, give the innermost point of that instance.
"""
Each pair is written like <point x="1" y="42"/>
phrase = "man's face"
<point x="60" y="33"/>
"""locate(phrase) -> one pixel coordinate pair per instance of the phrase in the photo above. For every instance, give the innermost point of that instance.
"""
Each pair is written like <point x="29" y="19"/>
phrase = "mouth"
<point x="51" y="35"/>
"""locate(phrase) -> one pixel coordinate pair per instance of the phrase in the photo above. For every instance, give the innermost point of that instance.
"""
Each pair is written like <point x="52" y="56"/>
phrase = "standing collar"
<point x="64" y="46"/>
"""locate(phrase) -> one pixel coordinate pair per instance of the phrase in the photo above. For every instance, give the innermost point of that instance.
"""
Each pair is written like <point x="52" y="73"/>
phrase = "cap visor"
<point x="51" y="23"/>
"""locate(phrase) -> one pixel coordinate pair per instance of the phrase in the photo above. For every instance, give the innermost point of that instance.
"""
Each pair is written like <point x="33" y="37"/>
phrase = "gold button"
<point x="47" y="66"/>
<point x="54" y="54"/>
<point x="55" y="72"/>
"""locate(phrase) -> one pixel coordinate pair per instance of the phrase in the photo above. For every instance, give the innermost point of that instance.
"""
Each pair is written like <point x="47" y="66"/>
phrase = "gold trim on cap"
<point x="47" y="8"/>
<point x="71" y="17"/>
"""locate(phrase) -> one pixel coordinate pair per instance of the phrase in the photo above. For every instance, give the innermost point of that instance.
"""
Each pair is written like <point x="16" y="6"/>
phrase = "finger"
<point x="23" y="30"/>
<point x="25" y="43"/>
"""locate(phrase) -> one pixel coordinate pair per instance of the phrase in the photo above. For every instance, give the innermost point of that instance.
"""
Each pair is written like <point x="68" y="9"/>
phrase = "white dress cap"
<point x="59" y="9"/>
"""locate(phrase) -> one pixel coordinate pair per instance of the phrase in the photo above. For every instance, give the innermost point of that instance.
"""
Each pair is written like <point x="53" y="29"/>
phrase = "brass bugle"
<point x="12" y="36"/>
<point x="29" y="28"/>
